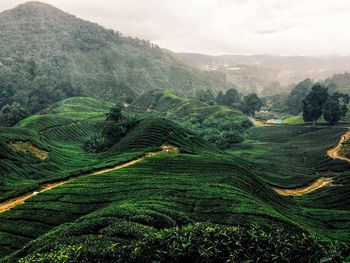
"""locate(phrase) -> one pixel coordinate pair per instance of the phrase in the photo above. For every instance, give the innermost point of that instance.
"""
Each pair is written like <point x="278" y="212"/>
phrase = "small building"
<point x="275" y="121"/>
<point x="279" y="121"/>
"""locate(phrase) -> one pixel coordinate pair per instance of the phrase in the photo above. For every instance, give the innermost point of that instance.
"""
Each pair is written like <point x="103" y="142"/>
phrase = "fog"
<point x="298" y="27"/>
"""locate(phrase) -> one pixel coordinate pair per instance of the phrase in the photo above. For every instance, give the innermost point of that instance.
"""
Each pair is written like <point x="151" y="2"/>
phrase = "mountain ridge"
<point x="40" y="46"/>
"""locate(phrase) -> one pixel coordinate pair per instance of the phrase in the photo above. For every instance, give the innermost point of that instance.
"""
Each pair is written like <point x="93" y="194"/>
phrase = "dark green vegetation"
<point x="200" y="242"/>
<point x="294" y="102"/>
<point x="221" y="125"/>
<point x="47" y="55"/>
<point x="230" y="98"/>
<point x="160" y="200"/>
<point x="210" y="199"/>
<point x="318" y="102"/>
<point x="251" y="104"/>
<point x="313" y="103"/>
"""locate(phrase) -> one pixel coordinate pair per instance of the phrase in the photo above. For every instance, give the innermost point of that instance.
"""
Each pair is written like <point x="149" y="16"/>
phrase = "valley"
<point x="113" y="149"/>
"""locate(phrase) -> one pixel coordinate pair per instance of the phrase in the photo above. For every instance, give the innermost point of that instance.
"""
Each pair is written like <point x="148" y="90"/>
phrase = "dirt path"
<point x="333" y="153"/>
<point x="321" y="182"/>
<point x="9" y="204"/>
<point x="258" y="123"/>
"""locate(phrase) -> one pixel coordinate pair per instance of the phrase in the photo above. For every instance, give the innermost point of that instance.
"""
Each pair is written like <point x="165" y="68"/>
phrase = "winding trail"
<point x="333" y="153"/>
<point x="11" y="203"/>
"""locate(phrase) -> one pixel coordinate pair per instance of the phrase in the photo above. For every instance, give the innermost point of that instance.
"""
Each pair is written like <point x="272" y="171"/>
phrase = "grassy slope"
<point x="199" y="184"/>
<point x="295" y="156"/>
<point x="169" y="104"/>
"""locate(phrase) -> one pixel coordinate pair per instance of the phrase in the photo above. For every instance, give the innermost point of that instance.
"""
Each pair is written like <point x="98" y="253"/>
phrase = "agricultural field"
<point x="114" y="149"/>
<point x="88" y="216"/>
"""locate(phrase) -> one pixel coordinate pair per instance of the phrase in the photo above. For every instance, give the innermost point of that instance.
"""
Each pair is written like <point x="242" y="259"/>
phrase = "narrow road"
<point x="333" y="153"/>
<point x="9" y="204"/>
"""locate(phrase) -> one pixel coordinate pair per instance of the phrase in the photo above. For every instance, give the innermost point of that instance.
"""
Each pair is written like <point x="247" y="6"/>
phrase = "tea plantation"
<point x="177" y="203"/>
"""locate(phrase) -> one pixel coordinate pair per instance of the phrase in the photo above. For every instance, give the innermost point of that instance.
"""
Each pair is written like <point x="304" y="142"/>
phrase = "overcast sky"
<point x="289" y="27"/>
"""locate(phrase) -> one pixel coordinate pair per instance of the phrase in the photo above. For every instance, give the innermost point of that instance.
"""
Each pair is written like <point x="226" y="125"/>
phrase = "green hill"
<point x="220" y="125"/>
<point x="47" y="55"/>
<point x="109" y="216"/>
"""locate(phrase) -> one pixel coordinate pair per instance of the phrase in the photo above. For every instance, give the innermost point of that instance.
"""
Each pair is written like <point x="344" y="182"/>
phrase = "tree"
<point x="313" y="103"/>
<point x="11" y="114"/>
<point x="294" y="103"/>
<point x="250" y="104"/>
<point x="115" y="114"/>
<point x="231" y="97"/>
<point x="343" y="101"/>
<point x="205" y="96"/>
<point x="219" y="97"/>
<point x="331" y="111"/>
<point x="335" y="107"/>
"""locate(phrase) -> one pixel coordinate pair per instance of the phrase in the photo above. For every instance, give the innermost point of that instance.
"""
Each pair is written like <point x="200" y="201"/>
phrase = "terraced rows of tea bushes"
<point x="291" y="156"/>
<point x="61" y="132"/>
<point x="169" y="104"/>
<point x="161" y="191"/>
<point x="201" y="183"/>
<point x="295" y="156"/>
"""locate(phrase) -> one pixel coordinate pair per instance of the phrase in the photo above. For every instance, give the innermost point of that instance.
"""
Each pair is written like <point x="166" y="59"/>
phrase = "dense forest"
<point x="47" y="55"/>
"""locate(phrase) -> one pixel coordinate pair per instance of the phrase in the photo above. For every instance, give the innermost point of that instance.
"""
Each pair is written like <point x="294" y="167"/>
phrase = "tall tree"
<point x="313" y="103"/>
<point x="335" y="107"/>
<point x="250" y="104"/>
<point x="231" y="97"/>
<point x="219" y="97"/>
<point x="294" y="101"/>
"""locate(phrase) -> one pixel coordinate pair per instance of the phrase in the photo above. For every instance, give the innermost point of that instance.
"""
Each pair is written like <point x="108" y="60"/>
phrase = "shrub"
<point x="204" y="242"/>
<point x="94" y="143"/>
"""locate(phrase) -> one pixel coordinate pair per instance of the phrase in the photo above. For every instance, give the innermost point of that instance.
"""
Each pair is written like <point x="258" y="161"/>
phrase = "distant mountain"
<point x="262" y="73"/>
<point x="339" y="82"/>
<point x="95" y="61"/>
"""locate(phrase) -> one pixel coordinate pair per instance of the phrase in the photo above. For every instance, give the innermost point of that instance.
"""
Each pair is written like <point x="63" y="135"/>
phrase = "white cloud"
<point x="223" y="26"/>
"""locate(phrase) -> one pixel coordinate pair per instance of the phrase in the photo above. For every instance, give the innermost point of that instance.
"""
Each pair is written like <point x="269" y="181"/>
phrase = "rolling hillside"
<point x="99" y="218"/>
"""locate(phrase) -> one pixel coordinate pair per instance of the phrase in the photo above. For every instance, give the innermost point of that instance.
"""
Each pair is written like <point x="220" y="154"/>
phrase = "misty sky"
<point x="289" y="27"/>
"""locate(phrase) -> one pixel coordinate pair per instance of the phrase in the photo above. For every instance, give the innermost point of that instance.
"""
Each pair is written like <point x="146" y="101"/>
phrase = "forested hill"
<point x="47" y="55"/>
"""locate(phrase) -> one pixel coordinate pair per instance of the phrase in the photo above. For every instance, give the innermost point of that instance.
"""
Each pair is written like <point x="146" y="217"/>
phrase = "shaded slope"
<point x="168" y="103"/>
<point x="61" y="131"/>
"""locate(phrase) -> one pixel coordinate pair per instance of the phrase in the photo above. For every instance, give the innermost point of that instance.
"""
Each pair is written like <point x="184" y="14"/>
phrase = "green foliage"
<point x="111" y="131"/>
<point x="94" y="143"/>
<point x="219" y="97"/>
<point x="231" y="98"/>
<point x="222" y="126"/>
<point x="49" y="55"/>
<point x="205" y="96"/>
<point x="204" y="242"/>
<point x="313" y="103"/>
<point x="115" y="115"/>
<point x="294" y="103"/>
<point x="103" y="217"/>
<point x="335" y="107"/>
<point x="11" y="114"/>
<point x="223" y="131"/>
<point x="250" y="104"/>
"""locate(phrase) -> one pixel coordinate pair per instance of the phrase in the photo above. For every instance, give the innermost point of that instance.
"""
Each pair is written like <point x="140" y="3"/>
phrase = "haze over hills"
<point x="90" y="56"/>
<point x="115" y="150"/>
<point x="261" y="72"/>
